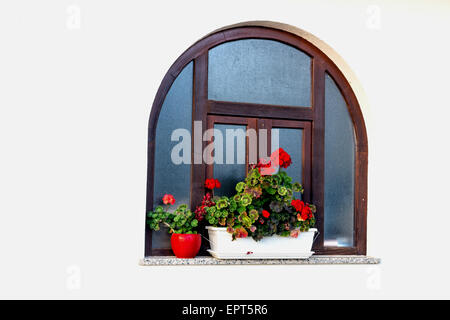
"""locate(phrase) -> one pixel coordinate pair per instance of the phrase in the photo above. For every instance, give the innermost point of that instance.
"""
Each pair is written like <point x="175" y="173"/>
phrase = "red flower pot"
<point x="185" y="245"/>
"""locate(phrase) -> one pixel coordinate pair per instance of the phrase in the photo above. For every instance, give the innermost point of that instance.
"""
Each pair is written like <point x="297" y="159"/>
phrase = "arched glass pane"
<point x="259" y="71"/>
<point x="339" y="169"/>
<point x="291" y="140"/>
<point x="170" y="177"/>
<point x="231" y="167"/>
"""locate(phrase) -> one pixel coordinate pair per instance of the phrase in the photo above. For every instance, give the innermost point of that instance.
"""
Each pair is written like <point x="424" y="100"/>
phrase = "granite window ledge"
<point x="207" y="260"/>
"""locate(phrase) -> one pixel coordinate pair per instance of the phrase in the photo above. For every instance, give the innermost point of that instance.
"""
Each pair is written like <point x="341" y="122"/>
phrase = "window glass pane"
<point x="229" y="167"/>
<point x="259" y="71"/>
<point x="172" y="178"/>
<point x="291" y="140"/>
<point x="339" y="168"/>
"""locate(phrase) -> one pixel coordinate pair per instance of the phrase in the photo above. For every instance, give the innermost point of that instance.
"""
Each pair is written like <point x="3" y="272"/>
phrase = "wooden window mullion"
<point x="318" y="148"/>
<point x="200" y="96"/>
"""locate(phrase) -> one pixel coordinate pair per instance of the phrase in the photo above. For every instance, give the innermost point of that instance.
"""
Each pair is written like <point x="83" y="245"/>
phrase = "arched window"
<point x="262" y="78"/>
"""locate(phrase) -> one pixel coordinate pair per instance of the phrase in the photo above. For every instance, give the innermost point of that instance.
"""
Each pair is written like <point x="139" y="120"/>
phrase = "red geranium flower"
<point x="280" y="158"/>
<point x="241" y="233"/>
<point x="285" y="160"/>
<point x="265" y="167"/>
<point x="275" y="157"/>
<point x="212" y="183"/>
<point x="200" y="211"/>
<point x="306" y="213"/>
<point x="298" y="205"/>
<point x="265" y="213"/>
<point x="168" y="199"/>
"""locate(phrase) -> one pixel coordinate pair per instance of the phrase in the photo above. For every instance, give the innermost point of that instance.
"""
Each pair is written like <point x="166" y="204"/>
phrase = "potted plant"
<point x="181" y="223"/>
<point x="263" y="219"/>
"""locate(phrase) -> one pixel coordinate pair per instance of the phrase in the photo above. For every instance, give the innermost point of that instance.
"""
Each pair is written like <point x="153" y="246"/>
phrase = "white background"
<point x="74" y="106"/>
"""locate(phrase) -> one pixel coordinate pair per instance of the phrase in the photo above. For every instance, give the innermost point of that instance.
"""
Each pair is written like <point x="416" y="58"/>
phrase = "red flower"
<point x="265" y="213"/>
<point x="200" y="211"/>
<point x="298" y="205"/>
<point x="168" y="199"/>
<point x="280" y="158"/>
<point x="265" y="167"/>
<point x="275" y="157"/>
<point x="240" y="233"/>
<point x="287" y="161"/>
<point x="212" y="183"/>
<point x="306" y="213"/>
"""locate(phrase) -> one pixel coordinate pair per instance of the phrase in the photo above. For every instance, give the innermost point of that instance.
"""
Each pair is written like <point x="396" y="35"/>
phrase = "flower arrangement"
<point x="180" y="221"/>
<point x="264" y="204"/>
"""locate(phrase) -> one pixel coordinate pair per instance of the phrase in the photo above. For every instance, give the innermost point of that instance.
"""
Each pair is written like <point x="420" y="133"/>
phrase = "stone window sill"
<point x="207" y="260"/>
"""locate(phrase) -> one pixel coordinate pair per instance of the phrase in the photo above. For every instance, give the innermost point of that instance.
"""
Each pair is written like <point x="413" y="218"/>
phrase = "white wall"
<point x="74" y="106"/>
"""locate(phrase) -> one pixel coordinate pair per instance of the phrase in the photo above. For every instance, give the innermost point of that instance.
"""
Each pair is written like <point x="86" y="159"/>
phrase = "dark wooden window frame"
<point x="315" y="115"/>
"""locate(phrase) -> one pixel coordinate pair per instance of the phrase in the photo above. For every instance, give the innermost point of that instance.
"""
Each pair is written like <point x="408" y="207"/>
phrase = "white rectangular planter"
<point x="275" y="247"/>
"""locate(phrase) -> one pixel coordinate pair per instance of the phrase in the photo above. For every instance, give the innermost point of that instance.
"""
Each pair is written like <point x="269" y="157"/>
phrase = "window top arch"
<point x="284" y="33"/>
